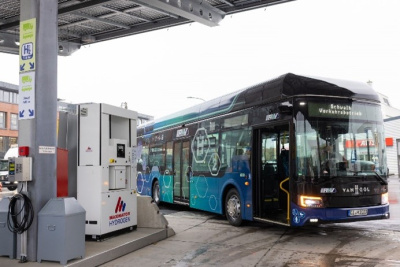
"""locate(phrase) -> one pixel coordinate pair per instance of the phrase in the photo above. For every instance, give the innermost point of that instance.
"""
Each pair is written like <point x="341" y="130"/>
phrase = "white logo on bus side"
<point x="328" y="190"/>
<point x="270" y="117"/>
<point x="182" y="132"/>
<point x="200" y="145"/>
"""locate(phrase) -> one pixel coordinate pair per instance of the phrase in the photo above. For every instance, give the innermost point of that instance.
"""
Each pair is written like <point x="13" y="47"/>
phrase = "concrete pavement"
<point x="152" y="227"/>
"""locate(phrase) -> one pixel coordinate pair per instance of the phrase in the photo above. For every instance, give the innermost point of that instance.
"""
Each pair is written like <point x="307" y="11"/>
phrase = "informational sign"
<point x="330" y="110"/>
<point x="47" y="150"/>
<point x="26" y="98"/>
<point x="27" y="45"/>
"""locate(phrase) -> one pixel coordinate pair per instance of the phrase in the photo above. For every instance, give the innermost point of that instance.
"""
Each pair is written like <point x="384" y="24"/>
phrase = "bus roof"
<point x="280" y="88"/>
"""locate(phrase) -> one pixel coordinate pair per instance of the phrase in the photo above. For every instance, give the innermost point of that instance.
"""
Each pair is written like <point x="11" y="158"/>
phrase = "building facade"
<point x="391" y="116"/>
<point x="392" y="133"/>
<point x="8" y="116"/>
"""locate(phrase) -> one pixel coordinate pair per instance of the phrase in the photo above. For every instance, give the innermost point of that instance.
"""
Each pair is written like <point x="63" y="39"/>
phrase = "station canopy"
<point x="83" y="22"/>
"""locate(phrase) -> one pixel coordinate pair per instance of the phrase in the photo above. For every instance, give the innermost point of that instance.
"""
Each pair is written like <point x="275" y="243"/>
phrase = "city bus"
<point x="294" y="151"/>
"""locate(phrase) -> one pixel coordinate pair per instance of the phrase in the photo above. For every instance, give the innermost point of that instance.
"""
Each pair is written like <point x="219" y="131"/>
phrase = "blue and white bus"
<point x="293" y="151"/>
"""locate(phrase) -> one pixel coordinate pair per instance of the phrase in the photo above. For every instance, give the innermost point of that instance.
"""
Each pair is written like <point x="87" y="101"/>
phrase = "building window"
<point x="2" y="120"/>
<point x="15" y="98"/>
<point x="6" y="96"/>
<point x="1" y="95"/>
<point x="2" y="146"/>
<point x="13" y="141"/>
<point x="14" y="121"/>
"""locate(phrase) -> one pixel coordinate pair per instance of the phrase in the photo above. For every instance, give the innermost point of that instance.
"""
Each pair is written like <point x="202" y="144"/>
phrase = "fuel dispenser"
<point x="106" y="179"/>
<point x="20" y="170"/>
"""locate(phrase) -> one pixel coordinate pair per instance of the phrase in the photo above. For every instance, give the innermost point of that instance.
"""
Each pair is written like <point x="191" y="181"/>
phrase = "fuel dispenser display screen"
<point x="120" y="151"/>
<point x="11" y="167"/>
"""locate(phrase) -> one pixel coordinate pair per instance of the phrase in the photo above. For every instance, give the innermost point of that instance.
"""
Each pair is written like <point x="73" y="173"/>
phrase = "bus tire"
<point x="233" y="207"/>
<point x="156" y="192"/>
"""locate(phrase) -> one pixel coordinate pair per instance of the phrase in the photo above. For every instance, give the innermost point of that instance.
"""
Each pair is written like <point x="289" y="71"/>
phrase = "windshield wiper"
<point x="380" y="178"/>
<point x="355" y="172"/>
<point x="323" y="179"/>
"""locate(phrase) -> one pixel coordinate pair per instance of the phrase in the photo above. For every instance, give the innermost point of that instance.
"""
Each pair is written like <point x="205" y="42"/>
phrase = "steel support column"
<point x="41" y="130"/>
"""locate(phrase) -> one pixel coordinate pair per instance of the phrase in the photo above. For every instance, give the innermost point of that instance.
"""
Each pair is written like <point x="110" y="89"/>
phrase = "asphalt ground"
<point x="204" y="239"/>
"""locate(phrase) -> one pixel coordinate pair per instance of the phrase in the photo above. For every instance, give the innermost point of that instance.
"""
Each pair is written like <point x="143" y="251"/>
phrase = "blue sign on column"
<point x="26" y="100"/>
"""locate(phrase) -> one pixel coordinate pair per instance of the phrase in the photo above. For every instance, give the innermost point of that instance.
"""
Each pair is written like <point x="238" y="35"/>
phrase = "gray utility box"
<point x="8" y="239"/>
<point x="61" y="230"/>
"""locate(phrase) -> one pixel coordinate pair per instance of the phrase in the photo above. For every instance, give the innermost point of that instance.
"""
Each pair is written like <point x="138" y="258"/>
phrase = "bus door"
<point x="271" y="168"/>
<point x="182" y="171"/>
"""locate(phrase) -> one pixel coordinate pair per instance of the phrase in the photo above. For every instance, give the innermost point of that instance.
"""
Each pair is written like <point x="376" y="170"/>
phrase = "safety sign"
<point x="26" y="99"/>
<point x="27" y="40"/>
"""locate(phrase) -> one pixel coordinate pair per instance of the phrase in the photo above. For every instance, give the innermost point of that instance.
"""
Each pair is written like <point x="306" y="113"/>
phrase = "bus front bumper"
<point x="301" y="216"/>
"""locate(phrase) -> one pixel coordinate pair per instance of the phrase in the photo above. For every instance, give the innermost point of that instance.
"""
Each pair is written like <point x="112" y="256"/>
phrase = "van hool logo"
<point x="356" y="189"/>
<point x="121" y="216"/>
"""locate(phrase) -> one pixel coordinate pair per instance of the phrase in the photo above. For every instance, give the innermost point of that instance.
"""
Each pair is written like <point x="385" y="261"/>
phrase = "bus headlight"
<point x="385" y="198"/>
<point x="311" y="202"/>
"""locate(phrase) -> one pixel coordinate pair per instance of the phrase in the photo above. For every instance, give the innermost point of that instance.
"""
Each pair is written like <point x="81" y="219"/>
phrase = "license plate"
<point x="361" y="212"/>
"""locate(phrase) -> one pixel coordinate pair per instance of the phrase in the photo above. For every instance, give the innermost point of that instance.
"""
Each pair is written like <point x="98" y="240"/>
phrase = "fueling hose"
<point x="13" y="213"/>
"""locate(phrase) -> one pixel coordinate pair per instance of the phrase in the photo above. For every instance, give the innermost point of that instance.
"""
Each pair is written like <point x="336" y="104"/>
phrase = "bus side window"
<point x="236" y="144"/>
<point x="169" y="156"/>
<point x="236" y="159"/>
<point x="139" y="165"/>
<point x="157" y="158"/>
<point x="143" y="160"/>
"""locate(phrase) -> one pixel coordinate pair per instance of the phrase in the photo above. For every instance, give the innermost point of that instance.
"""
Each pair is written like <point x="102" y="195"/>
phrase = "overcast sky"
<point x="155" y="72"/>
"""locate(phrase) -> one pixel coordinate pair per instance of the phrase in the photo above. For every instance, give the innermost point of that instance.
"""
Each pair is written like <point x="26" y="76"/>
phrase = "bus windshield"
<point x="339" y="140"/>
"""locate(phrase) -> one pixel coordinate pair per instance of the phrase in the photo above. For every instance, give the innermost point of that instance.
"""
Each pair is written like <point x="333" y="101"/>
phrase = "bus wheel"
<point x="156" y="192"/>
<point x="233" y="207"/>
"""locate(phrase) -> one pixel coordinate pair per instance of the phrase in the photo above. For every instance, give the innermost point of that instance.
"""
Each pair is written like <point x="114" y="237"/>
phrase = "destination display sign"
<point x="343" y="110"/>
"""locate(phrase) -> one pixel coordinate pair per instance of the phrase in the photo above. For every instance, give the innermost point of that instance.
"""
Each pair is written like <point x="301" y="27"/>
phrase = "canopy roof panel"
<point x="89" y="21"/>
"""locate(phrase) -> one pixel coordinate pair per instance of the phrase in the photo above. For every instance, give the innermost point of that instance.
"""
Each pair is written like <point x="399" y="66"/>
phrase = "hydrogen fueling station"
<point x="106" y="169"/>
<point x="96" y="198"/>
